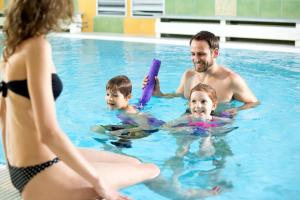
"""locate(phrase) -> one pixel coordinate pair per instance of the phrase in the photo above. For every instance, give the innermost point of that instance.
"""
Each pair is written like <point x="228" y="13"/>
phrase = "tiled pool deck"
<point x="7" y="191"/>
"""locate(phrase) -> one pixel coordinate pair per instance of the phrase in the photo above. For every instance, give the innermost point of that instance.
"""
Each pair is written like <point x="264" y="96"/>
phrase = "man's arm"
<point x="180" y="90"/>
<point x="242" y="92"/>
<point x="158" y="93"/>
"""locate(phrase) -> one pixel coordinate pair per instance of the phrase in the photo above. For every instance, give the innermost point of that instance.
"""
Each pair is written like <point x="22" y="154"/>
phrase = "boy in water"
<point x="118" y="94"/>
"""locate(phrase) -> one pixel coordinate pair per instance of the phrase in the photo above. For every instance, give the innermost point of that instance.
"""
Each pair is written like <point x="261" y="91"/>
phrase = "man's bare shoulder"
<point x="235" y="79"/>
<point x="228" y="73"/>
<point x="189" y="72"/>
<point x="225" y="69"/>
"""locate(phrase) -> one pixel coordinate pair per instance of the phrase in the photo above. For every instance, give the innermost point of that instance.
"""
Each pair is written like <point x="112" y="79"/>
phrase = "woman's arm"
<point x="39" y="67"/>
<point x="3" y="119"/>
<point x="2" y="109"/>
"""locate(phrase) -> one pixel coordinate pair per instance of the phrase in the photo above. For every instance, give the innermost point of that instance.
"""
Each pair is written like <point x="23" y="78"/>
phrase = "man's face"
<point x="202" y="56"/>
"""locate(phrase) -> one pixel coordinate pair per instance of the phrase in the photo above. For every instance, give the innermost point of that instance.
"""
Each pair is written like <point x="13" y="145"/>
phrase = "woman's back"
<point x="23" y="143"/>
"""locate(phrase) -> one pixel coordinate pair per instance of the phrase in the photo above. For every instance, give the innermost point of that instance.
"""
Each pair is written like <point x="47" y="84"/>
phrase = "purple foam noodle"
<point x="148" y="90"/>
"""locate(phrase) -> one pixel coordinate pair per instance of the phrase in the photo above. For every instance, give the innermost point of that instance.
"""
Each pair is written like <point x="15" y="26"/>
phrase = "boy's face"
<point x="201" y="105"/>
<point x="116" y="100"/>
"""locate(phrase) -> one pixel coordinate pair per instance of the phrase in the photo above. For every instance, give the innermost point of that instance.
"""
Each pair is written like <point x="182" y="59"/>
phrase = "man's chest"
<point x="222" y="86"/>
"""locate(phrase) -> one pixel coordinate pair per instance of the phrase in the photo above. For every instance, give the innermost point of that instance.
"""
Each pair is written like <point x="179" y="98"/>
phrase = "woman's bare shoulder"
<point x="38" y="43"/>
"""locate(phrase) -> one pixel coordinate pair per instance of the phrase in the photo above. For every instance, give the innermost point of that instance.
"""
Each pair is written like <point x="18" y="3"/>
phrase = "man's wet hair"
<point x="207" y="36"/>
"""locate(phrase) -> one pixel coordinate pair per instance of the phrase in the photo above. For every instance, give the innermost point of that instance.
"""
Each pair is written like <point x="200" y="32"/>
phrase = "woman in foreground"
<point x="42" y="161"/>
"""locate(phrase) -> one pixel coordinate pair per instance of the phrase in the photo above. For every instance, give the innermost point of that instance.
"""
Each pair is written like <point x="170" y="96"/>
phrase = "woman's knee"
<point x="133" y="160"/>
<point x="153" y="170"/>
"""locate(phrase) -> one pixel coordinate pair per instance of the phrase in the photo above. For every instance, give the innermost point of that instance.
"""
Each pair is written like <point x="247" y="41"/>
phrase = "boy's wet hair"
<point x="120" y="83"/>
<point x="207" y="36"/>
<point x="211" y="92"/>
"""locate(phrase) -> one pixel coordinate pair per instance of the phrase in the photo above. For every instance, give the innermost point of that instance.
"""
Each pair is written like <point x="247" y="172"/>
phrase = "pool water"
<point x="259" y="160"/>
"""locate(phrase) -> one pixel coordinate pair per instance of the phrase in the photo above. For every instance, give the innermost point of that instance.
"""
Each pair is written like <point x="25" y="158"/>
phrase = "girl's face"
<point x="201" y="105"/>
<point x="116" y="100"/>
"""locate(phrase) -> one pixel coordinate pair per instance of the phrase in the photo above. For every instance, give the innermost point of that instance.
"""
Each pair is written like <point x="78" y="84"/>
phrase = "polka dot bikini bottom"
<point x="20" y="176"/>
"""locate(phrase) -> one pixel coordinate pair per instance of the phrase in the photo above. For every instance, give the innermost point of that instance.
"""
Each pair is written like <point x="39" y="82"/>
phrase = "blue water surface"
<point x="259" y="160"/>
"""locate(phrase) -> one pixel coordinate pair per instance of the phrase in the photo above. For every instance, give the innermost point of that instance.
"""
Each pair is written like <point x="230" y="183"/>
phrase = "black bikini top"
<point x="20" y="87"/>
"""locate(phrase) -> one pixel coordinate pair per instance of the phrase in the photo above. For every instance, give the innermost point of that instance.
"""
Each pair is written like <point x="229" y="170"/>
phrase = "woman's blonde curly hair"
<point x="29" y="18"/>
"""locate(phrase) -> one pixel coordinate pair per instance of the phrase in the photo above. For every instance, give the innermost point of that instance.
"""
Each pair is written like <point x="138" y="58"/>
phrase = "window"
<point x="147" y="7"/>
<point x="111" y="7"/>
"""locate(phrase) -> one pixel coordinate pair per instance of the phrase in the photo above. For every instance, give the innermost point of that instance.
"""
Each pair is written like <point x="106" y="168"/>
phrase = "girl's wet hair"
<point x="211" y="92"/>
<point x="29" y="18"/>
<point x="120" y="83"/>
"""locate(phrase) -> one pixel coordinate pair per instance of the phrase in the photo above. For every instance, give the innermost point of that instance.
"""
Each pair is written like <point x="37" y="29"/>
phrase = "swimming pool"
<point x="259" y="160"/>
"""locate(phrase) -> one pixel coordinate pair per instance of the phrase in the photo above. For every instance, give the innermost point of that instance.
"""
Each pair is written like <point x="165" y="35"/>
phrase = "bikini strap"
<point x="3" y="88"/>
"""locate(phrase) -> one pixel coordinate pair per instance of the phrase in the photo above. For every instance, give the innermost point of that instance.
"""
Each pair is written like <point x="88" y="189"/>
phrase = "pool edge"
<point x="183" y="42"/>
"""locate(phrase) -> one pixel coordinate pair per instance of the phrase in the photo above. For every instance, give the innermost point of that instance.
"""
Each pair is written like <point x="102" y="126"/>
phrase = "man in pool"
<point x="228" y="84"/>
